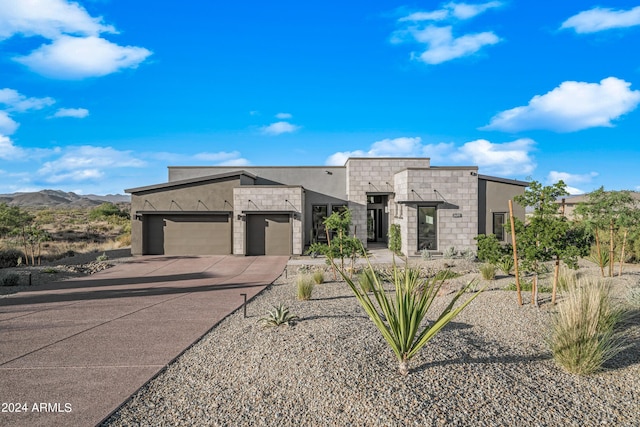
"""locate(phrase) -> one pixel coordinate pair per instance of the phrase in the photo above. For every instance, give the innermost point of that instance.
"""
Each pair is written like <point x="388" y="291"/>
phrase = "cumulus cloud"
<point x="15" y="101"/>
<point x="284" y="116"/>
<point x="75" y="49"/>
<point x="509" y="158"/>
<point x="571" y="180"/>
<point x="223" y="158"/>
<point x="440" y="43"/>
<point x="506" y="159"/>
<point x="7" y="125"/>
<point x="570" y="107"/>
<point x="442" y="46"/>
<point x="8" y="151"/>
<point x="600" y="19"/>
<point x="81" y="57"/>
<point x="396" y="147"/>
<point x="78" y="113"/>
<point x="279" y="128"/>
<point x="47" y="18"/>
<point x="86" y="163"/>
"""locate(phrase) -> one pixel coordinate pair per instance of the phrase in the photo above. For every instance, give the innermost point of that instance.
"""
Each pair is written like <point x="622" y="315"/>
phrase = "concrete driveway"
<point x="73" y="351"/>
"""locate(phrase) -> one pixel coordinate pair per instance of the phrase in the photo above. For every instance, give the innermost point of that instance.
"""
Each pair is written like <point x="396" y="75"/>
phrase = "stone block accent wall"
<point x="455" y="193"/>
<point x="373" y="175"/>
<point x="268" y="199"/>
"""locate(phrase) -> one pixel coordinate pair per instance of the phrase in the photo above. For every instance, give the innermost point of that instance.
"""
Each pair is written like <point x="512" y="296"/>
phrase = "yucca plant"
<point x="583" y="334"/>
<point x="399" y="317"/>
<point x="305" y="285"/>
<point x="280" y="315"/>
<point x="505" y="264"/>
<point x="365" y="278"/>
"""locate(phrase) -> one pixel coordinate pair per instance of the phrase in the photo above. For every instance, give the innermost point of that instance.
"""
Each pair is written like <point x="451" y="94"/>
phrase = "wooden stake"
<point x="624" y="242"/>
<point x="515" y="252"/>
<point x="555" y="281"/>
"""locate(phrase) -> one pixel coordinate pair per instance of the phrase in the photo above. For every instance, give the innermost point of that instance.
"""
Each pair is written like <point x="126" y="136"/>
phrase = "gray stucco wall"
<point x="190" y="197"/>
<point x="493" y="197"/>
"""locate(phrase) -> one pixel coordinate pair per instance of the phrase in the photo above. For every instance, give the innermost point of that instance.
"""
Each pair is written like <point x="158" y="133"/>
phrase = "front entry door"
<point x="372" y="226"/>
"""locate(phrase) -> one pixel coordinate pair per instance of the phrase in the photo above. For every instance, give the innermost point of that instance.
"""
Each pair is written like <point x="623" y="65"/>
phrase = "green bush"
<point x="584" y="334"/>
<point x="305" y="285"/>
<point x="445" y="275"/>
<point x="10" y="279"/>
<point x="488" y="272"/>
<point x="9" y="257"/>
<point x="505" y="264"/>
<point x="395" y="239"/>
<point x="103" y="257"/>
<point x="107" y="210"/>
<point x="527" y="286"/>
<point x="490" y="249"/>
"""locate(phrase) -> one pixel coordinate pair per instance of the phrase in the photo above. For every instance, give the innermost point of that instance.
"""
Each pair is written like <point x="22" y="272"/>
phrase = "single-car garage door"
<point x="268" y="234"/>
<point x="187" y="234"/>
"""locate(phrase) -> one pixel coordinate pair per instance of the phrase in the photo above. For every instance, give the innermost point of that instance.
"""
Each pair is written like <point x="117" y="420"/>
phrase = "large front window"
<point x="317" y="223"/>
<point x="427" y="228"/>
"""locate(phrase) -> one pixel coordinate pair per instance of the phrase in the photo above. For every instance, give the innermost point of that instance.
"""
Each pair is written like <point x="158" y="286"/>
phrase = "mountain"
<point x="60" y="199"/>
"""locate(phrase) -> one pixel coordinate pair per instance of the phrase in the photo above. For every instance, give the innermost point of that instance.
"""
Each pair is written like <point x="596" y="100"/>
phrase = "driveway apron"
<point x="73" y="351"/>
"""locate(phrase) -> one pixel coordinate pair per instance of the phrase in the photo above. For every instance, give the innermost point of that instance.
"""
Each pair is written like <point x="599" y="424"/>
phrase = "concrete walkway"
<point x="73" y="351"/>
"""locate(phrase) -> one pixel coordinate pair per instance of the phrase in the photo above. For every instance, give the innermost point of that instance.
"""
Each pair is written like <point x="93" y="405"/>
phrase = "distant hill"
<point x="60" y="199"/>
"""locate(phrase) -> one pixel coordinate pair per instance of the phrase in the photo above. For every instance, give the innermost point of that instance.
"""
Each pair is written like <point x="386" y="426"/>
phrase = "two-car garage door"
<point x="176" y="234"/>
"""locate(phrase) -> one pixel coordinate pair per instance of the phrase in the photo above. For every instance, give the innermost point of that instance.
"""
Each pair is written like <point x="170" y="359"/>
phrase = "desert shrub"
<point x="426" y="255"/>
<point x="604" y="256"/>
<point x="468" y="254"/>
<point x="490" y="249"/>
<point x="318" y="277"/>
<point x="450" y="252"/>
<point x="395" y="239"/>
<point x="103" y="257"/>
<point x="50" y="270"/>
<point x="505" y="264"/>
<point x="634" y="296"/>
<point x="365" y="278"/>
<point x="124" y="240"/>
<point x="583" y="333"/>
<point x="9" y="257"/>
<point x="488" y="271"/>
<point x="10" y="279"/>
<point x="304" y="285"/>
<point x="445" y="275"/>
<point x="279" y="316"/>
<point x="107" y="210"/>
<point x="567" y="278"/>
<point x="526" y="286"/>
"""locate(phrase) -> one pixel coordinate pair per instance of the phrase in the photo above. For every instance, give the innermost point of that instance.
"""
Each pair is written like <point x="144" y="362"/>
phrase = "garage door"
<point x="187" y="234"/>
<point x="268" y="234"/>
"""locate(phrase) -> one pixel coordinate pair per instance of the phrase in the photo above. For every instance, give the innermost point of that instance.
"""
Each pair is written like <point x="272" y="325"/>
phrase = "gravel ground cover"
<point x="490" y="367"/>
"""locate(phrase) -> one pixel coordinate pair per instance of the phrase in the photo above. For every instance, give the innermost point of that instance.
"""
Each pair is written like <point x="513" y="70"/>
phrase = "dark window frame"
<point x="498" y="227"/>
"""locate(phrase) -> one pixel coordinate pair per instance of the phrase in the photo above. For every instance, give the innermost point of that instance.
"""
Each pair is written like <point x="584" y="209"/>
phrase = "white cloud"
<point x="600" y="19"/>
<point x="442" y="46"/>
<point x="570" y="107"/>
<point x="78" y="113"/>
<point x="452" y="10"/>
<point x="8" y="151"/>
<point x="279" y="128"/>
<point x="223" y="158"/>
<point x="47" y="18"/>
<point x="440" y="43"/>
<point x="81" y="57"/>
<point x="15" y="101"/>
<point x="283" y="116"/>
<point x="86" y="163"/>
<point x="438" y="152"/>
<point x="571" y="179"/>
<point x="396" y="147"/>
<point x="509" y="158"/>
<point x="7" y="125"/>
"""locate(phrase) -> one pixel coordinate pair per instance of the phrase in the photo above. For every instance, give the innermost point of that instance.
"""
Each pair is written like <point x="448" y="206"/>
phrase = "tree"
<point x="610" y="210"/>
<point x="15" y="222"/>
<point x="548" y="235"/>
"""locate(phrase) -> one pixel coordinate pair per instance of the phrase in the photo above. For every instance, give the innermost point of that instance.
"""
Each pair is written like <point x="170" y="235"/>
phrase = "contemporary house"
<point x="258" y="210"/>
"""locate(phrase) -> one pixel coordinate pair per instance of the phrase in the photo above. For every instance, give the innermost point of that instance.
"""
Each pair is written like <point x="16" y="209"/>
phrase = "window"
<point x="319" y="213"/>
<point x="338" y="208"/>
<point x="498" y="225"/>
<point x="427" y="228"/>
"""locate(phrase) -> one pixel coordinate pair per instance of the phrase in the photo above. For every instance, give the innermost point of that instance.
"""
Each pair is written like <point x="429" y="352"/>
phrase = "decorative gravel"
<point x="490" y="367"/>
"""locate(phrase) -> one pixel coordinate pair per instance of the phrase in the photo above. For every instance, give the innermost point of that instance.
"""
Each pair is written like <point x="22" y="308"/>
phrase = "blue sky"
<point x="101" y="95"/>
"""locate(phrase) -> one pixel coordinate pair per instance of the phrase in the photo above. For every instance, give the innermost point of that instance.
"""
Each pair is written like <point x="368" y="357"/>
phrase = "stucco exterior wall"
<point x="213" y="196"/>
<point x="494" y="196"/>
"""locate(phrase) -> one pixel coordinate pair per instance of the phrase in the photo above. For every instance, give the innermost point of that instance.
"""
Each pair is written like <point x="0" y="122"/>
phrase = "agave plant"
<point x="280" y="315"/>
<point x="399" y="317"/>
